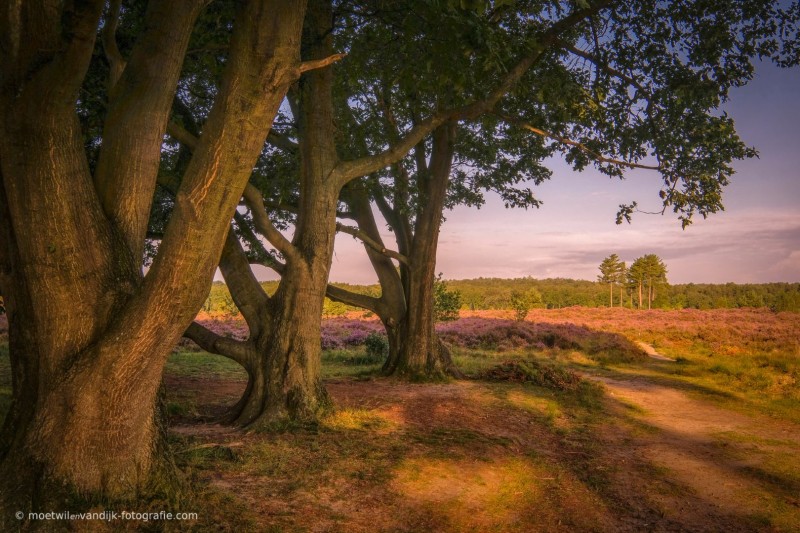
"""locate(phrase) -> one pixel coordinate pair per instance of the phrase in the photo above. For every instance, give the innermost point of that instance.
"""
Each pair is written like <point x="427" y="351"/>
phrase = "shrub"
<point x="522" y="302"/>
<point x="377" y="346"/>
<point x="446" y="303"/>
<point x="534" y="372"/>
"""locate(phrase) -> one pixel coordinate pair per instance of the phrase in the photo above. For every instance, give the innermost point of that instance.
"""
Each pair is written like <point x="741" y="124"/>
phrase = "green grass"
<point x="349" y="363"/>
<point x="203" y="364"/>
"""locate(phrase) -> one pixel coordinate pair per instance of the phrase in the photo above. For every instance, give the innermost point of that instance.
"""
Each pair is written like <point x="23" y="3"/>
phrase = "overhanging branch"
<point x="344" y="296"/>
<point x="217" y="344"/>
<point x="598" y="157"/>
<point x="257" y="246"/>
<point x="253" y="199"/>
<point x="349" y="170"/>
<point x="305" y="66"/>
<point x="366" y="239"/>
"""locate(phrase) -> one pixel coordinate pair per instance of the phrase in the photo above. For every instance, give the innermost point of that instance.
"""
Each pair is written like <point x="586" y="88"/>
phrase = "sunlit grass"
<point x="355" y="419"/>
<point x="496" y="494"/>
<point x="754" y="385"/>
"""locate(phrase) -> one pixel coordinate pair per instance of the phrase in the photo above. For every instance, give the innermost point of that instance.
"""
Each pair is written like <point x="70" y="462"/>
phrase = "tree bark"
<point x="284" y="382"/>
<point x="418" y="352"/>
<point x="640" y="294"/>
<point x="87" y="334"/>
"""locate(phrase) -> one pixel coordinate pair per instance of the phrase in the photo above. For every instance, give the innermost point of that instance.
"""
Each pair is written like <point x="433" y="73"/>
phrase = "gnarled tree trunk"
<point x="283" y="352"/>
<point x="89" y="335"/>
<point x="406" y="303"/>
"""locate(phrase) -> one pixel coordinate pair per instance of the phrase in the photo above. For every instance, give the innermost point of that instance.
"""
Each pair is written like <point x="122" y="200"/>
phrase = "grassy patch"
<point x="354" y="362"/>
<point x="355" y="420"/>
<point x="739" y="383"/>
<point x="535" y="372"/>
<point x="204" y="364"/>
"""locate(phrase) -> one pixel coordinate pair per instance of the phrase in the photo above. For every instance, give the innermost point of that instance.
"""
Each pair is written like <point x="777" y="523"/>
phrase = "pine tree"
<point x="610" y="270"/>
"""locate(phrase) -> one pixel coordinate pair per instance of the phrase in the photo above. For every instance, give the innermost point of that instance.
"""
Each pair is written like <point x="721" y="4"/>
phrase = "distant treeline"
<point x="495" y="293"/>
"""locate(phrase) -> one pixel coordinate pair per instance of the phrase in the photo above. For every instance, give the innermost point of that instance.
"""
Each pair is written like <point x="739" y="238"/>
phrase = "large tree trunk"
<point x="284" y="370"/>
<point x="418" y="352"/>
<point x="285" y="382"/>
<point x="88" y="336"/>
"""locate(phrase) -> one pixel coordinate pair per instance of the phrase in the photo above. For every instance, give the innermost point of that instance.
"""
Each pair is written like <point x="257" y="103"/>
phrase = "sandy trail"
<point x="651" y="352"/>
<point x="721" y="456"/>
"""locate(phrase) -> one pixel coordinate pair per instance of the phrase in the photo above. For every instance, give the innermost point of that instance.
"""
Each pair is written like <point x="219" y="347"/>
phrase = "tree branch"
<point x="305" y="66"/>
<point x="283" y="142"/>
<point x="349" y="170"/>
<point x="257" y="246"/>
<point x="217" y="344"/>
<point x="115" y="60"/>
<point x="180" y="134"/>
<point x="138" y="112"/>
<point x="344" y="296"/>
<point x="247" y="293"/>
<point x="602" y="65"/>
<point x="366" y="239"/>
<point x="253" y="199"/>
<point x="598" y="157"/>
<point x="46" y="49"/>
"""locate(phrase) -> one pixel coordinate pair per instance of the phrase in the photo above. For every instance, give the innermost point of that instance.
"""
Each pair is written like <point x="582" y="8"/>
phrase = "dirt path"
<point x="479" y="456"/>
<point x="651" y="352"/>
<point x="733" y="465"/>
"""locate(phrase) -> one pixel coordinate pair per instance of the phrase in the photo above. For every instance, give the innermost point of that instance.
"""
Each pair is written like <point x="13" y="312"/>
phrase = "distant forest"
<point x="495" y="293"/>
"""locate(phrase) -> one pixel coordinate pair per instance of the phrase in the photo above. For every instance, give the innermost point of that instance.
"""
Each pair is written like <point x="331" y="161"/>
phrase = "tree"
<point x="569" y="76"/>
<point x="74" y="207"/>
<point x="621" y="91"/>
<point x="656" y="272"/>
<point x="635" y="277"/>
<point x="647" y="272"/>
<point x="282" y="355"/>
<point x="523" y="302"/>
<point x="610" y="272"/>
<point x="621" y="277"/>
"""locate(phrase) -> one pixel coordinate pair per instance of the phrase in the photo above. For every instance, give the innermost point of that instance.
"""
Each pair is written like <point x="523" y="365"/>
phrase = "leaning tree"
<point x="89" y="332"/>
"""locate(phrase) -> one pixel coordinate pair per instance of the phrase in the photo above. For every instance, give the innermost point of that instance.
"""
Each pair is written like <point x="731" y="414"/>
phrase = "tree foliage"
<point x="648" y="273"/>
<point x="446" y="302"/>
<point x="522" y="302"/>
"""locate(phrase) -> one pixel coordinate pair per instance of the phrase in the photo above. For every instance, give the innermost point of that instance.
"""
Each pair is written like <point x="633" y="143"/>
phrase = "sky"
<point x="755" y="240"/>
